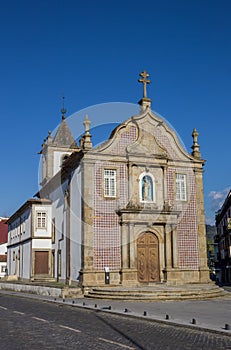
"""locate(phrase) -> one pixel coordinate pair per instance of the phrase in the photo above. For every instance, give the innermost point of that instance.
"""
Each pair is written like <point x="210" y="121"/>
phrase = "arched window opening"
<point x="64" y="158"/>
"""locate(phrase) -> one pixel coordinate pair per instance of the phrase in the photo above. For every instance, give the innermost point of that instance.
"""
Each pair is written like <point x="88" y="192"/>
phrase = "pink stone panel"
<point x="164" y="142"/>
<point x="126" y="138"/>
<point x="187" y="235"/>
<point x="106" y="222"/>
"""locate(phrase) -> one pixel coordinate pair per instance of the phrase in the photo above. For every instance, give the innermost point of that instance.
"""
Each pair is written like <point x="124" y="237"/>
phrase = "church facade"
<point x="132" y="206"/>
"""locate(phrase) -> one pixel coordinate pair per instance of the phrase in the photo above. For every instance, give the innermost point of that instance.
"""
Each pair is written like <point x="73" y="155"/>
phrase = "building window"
<point x="59" y="263"/>
<point x="147" y="188"/>
<point x="13" y="256"/>
<point x="41" y="219"/>
<point x="53" y="230"/>
<point x="3" y="269"/>
<point x="181" y="187"/>
<point x="109" y="183"/>
<point x="64" y="158"/>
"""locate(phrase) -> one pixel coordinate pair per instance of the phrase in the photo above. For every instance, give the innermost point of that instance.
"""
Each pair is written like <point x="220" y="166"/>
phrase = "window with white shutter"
<point x="109" y="183"/>
<point x="181" y="187"/>
<point x="41" y="219"/>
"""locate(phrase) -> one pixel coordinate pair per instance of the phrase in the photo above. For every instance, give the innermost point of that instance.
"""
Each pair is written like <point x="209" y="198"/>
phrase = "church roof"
<point x="63" y="136"/>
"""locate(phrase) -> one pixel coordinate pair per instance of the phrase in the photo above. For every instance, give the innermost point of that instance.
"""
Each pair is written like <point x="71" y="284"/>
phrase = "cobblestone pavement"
<point x="36" y="324"/>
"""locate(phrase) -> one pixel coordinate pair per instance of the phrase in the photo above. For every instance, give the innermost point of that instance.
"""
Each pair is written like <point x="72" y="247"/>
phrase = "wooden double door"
<point x="148" y="258"/>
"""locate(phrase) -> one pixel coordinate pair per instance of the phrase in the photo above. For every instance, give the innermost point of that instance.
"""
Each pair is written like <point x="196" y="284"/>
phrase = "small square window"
<point x="41" y="219"/>
<point x="3" y="269"/>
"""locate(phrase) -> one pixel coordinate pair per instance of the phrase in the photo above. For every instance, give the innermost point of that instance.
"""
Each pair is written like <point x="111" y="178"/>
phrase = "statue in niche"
<point x="147" y="188"/>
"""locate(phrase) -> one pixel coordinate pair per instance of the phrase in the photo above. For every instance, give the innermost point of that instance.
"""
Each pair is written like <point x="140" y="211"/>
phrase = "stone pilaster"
<point x="174" y="247"/>
<point x="124" y="246"/>
<point x="202" y="248"/>
<point x="87" y="222"/>
<point x="128" y="268"/>
<point x="133" y="262"/>
<point x="168" y="246"/>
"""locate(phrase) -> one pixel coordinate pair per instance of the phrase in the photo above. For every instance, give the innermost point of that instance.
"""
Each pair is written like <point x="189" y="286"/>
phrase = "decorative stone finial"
<point x="87" y="124"/>
<point x="145" y="102"/>
<point x="49" y="138"/>
<point x="195" y="147"/>
<point x="44" y="143"/>
<point x="86" y="143"/>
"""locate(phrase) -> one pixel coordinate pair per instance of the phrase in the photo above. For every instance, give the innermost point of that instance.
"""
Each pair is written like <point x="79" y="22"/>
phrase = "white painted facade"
<point x="58" y="160"/>
<point x="26" y="237"/>
<point x="66" y="217"/>
<point x="3" y="265"/>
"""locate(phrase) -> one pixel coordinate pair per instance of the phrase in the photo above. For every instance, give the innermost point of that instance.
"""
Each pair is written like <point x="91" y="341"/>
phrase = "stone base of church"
<point x="97" y="278"/>
<point x="204" y="275"/>
<point x="129" y="277"/>
<point x="157" y="292"/>
<point x="184" y="276"/>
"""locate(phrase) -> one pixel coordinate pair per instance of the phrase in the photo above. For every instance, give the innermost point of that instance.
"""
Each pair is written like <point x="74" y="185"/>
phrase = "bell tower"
<point x="55" y="150"/>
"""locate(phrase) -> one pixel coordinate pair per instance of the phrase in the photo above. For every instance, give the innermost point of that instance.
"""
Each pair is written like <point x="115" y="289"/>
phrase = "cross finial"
<point x="63" y="110"/>
<point x="144" y="75"/>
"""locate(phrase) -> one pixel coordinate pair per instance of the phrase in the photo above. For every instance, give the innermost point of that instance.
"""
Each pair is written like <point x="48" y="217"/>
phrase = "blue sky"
<point x="93" y="51"/>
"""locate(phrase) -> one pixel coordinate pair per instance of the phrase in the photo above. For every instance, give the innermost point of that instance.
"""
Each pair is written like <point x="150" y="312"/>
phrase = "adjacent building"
<point x="223" y="240"/>
<point x="30" y="241"/>
<point x="3" y="247"/>
<point x="132" y="206"/>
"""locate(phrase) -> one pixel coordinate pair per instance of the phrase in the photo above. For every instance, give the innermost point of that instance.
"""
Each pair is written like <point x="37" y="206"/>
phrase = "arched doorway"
<point x="148" y="258"/>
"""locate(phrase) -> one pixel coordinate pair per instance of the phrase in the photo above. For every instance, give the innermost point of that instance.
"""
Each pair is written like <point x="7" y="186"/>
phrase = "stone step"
<point x="131" y="291"/>
<point x="43" y="280"/>
<point x="156" y="294"/>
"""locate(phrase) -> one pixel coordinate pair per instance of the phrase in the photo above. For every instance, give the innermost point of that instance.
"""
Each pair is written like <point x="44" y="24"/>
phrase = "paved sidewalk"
<point x="211" y="315"/>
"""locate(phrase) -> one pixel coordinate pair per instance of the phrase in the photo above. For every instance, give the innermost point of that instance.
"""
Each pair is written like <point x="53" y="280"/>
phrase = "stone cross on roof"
<point x="144" y="75"/>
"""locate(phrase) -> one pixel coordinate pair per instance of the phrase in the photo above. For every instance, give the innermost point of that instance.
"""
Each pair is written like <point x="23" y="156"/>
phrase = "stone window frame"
<point x="110" y="195"/>
<point x="59" y="263"/>
<point x="63" y="159"/>
<point x="43" y="224"/>
<point x="153" y="188"/>
<point x="53" y="231"/>
<point x="3" y="268"/>
<point x="182" y="194"/>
